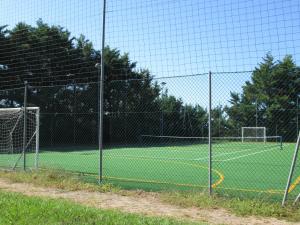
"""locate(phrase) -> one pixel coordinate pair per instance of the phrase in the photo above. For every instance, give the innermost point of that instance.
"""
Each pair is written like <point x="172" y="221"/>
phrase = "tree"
<point x="179" y="119"/>
<point x="269" y="99"/>
<point x="49" y="56"/>
<point x="220" y="126"/>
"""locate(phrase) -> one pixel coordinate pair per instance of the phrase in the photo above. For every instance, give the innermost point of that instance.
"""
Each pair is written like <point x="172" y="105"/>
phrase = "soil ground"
<point x="145" y="203"/>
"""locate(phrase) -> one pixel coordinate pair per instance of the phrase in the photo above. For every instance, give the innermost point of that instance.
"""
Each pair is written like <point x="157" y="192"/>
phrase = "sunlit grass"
<point x="238" y="206"/>
<point x="19" y="209"/>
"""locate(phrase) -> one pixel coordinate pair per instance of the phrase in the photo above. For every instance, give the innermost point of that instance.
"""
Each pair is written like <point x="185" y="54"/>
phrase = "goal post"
<point x="12" y="134"/>
<point x="254" y="134"/>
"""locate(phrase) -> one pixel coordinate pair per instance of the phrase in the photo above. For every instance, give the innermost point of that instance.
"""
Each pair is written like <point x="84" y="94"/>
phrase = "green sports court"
<point x="251" y="168"/>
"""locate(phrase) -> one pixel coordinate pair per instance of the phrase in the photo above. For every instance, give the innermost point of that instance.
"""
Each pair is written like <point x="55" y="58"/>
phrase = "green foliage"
<point x="181" y="119"/>
<point x="19" y="209"/>
<point x="48" y="55"/>
<point x="271" y="95"/>
<point x="135" y="104"/>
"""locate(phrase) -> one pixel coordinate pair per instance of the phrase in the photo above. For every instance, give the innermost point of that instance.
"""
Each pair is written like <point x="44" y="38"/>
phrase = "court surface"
<point x="245" y="167"/>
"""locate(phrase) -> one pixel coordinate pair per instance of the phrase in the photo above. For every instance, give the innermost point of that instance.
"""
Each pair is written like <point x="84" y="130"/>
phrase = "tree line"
<point x="63" y="82"/>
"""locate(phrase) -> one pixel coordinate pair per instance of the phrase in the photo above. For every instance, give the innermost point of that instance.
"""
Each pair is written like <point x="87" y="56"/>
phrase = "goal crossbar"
<point x="18" y="109"/>
<point x="257" y="133"/>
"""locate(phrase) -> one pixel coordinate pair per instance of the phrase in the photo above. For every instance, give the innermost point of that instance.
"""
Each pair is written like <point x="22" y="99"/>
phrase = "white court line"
<point x="242" y="156"/>
<point x="171" y="148"/>
<point x="167" y="148"/>
<point x="227" y="153"/>
<point x="184" y="159"/>
<point x="147" y="157"/>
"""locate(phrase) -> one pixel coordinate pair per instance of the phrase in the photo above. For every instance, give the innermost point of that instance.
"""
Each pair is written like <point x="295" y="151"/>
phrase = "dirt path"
<point x="146" y="204"/>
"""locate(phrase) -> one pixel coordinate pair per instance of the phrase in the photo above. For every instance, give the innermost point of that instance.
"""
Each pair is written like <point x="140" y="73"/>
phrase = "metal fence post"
<point x="74" y="111"/>
<point x="25" y="125"/>
<point x="101" y="99"/>
<point x="37" y="139"/>
<point x="209" y="137"/>
<point x="286" y="192"/>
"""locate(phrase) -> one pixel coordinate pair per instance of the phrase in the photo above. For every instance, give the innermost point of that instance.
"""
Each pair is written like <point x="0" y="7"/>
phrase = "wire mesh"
<point x="68" y="127"/>
<point x="12" y="138"/>
<point x="139" y="109"/>
<point x="157" y="59"/>
<point x="262" y="163"/>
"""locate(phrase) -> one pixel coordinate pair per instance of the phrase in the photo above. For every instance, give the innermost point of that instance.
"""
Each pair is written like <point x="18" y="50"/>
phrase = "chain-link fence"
<point x="160" y="123"/>
<point x="154" y="140"/>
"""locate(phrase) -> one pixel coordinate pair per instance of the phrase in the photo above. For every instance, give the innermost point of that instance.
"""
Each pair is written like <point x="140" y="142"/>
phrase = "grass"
<point x="56" y="179"/>
<point x="238" y="206"/>
<point x="19" y="209"/>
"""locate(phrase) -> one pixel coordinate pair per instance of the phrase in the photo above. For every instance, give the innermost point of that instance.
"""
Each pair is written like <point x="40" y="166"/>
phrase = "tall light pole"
<point x="25" y="125"/>
<point x="74" y="106"/>
<point x="161" y="110"/>
<point x="256" y="118"/>
<point x="256" y="113"/>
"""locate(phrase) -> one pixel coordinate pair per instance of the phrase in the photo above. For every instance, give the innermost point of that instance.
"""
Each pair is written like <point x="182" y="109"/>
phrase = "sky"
<point x="177" y="38"/>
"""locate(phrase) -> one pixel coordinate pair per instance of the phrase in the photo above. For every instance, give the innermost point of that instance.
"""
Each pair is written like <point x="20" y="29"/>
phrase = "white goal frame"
<point x="255" y="128"/>
<point x="37" y="129"/>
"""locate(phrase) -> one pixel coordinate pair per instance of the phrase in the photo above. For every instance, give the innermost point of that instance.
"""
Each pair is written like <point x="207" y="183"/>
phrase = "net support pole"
<point x="242" y="134"/>
<point x="25" y="125"/>
<point x="291" y="170"/>
<point x="37" y="139"/>
<point x="101" y="93"/>
<point x="209" y="137"/>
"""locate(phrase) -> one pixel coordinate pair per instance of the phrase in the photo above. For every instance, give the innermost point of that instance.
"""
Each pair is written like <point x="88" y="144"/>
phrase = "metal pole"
<point x="74" y="112"/>
<point x="256" y="118"/>
<point x="37" y="139"/>
<point x="101" y="92"/>
<point x="209" y="138"/>
<point x="297" y="115"/>
<point x="162" y="111"/>
<point x="161" y="123"/>
<point x="256" y="115"/>
<point x="291" y="171"/>
<point x="242" y="135"/>
<point x="25" y="125"/>
<point x="220" y="117"/>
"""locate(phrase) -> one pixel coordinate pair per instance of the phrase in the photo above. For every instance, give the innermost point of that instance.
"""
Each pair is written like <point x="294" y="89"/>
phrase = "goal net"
<point x="257" y="134"/>
<point x="12" y="135"/>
